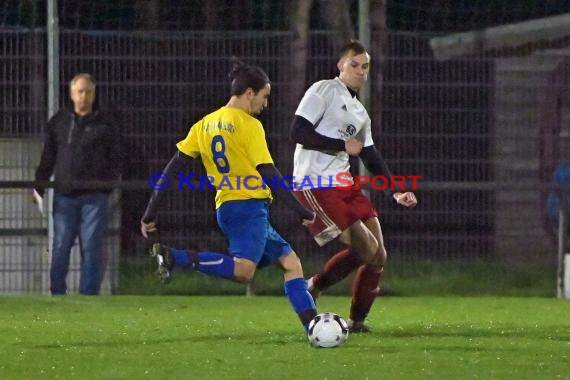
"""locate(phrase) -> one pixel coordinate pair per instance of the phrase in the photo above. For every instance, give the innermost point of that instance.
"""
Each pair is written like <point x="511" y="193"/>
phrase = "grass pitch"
<point x="218" y="337"/>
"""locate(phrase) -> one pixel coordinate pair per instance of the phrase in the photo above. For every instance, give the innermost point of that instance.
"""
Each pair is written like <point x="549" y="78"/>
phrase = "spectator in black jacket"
<point x="81" y="144"/>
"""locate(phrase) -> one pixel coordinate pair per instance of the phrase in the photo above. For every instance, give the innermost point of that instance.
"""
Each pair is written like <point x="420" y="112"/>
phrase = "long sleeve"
<point x="373" y="161"/>
<point x="48" y="158"/>
<point x="303" y="132"/>
<point x="176" y="163"/>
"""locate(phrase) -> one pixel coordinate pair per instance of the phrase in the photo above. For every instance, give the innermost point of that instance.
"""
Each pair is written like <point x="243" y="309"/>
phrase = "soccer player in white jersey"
<point x="329" y="125"/>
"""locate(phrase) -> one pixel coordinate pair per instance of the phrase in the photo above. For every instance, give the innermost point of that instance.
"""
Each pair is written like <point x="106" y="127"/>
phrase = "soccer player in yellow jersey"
<point x="231" y="144"/>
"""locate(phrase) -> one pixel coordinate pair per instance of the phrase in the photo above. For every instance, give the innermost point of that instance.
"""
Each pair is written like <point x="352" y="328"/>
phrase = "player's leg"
<point x="296" y="290"/>
<point x="345" y="209"/>
<point x="338" y="267"/>
<point x="363" y="246"/>
<point x="332" y="217"/>
<point x="367" y="247"/>
<point x="366" y="283"/>
<point x="66" y="220"/>
<point x="210" y="263"/>
<point x="245" y="225"/>
<point x="365" y="289"/>
<point x="295" y="285"/>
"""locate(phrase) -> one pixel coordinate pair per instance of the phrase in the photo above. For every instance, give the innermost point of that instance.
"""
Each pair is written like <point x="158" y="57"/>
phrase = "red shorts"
<point x="336" y="211"/>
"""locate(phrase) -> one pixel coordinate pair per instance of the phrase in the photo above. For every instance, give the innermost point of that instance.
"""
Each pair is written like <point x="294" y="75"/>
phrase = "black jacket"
<point x="80" y="148"/>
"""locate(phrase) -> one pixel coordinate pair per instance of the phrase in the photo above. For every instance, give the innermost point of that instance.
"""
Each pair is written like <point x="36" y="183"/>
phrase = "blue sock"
<point x="216" y="264"/>
<point x="301" y="300"/>
<point x="210" y="263"/>
<point x="181" y="257"/>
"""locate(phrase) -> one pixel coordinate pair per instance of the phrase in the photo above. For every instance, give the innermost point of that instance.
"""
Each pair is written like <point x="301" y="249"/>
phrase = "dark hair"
<point x="244" y="76"/>
<point x="353" y="46"/>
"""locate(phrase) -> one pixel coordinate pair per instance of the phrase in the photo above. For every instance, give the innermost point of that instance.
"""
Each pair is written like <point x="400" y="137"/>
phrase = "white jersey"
<point x="330" y="107"/>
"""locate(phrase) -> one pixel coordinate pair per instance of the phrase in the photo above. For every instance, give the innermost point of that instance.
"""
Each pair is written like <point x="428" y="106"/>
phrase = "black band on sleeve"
<point x="303" y="132"/>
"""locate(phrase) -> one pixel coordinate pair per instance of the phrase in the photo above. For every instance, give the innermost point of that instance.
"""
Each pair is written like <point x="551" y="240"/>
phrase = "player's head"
<point x="353" y="65"/>
<point x="82" y="93"/>
<point x="251" y="84"/>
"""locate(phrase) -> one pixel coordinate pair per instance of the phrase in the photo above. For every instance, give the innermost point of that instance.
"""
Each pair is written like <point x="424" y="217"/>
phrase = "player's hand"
<point x="407" y="199"/>
<point x="352" y="146"/>
<point x="147" y="228"/>
<point x="308" y="222"/>
<point x="38" y="201"/>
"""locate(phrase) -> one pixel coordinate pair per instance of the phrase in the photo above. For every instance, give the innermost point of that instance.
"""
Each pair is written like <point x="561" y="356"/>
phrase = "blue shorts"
<point x="251" y="236"/>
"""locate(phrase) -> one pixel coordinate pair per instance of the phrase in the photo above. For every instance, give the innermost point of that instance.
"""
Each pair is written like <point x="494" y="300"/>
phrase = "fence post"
<point x="562" y="227"/>
<point x="52" y="25"/>
<point x="53" y="57"/>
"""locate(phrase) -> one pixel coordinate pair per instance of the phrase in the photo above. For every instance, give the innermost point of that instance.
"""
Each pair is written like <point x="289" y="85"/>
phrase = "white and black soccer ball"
<point x="327" y="330"/>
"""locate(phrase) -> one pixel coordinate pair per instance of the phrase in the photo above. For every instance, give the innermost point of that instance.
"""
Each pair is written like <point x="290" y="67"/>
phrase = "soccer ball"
<point x="327" y="330"/>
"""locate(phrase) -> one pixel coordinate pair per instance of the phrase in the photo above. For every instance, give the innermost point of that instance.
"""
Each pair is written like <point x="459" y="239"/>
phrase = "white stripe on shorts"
<point x="318" y="209"/>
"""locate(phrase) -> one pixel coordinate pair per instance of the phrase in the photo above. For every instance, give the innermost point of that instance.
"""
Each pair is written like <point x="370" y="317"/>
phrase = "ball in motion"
<point x="327" y="330"/>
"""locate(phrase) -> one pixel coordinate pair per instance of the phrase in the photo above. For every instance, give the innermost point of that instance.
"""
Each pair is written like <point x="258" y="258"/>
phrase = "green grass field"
<point x="237" y="337"/>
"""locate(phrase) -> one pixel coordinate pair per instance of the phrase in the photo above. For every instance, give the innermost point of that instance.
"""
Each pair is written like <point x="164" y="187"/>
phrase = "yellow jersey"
<point x="231" y="144"/>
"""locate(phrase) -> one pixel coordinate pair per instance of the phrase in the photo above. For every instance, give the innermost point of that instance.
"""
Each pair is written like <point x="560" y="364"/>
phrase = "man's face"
<point x="260" y="100"/>
<point x="354" y="70"/>
<point x="83" y="95"/>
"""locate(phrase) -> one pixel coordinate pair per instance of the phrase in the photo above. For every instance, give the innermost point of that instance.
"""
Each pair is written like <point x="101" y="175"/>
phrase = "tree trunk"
<point x="378" y="48"/>
<point x="336" y="13"/>
<point x="299" y="51"/>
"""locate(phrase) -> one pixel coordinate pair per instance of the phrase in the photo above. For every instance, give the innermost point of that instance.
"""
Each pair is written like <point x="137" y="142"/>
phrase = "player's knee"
<point x="243" y="278"/>
<point x="382" y="254"/>
<point x="378" y="260"/>
<point x="370" y="252"/>
<point x="244" y="271"/>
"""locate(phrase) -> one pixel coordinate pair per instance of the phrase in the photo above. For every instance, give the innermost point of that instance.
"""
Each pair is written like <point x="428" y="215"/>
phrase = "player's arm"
<point x="175" y="165"/>
<point x="303" y="132"/>
<point x="270" y="171"/>
<point x="375" y="163"/>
